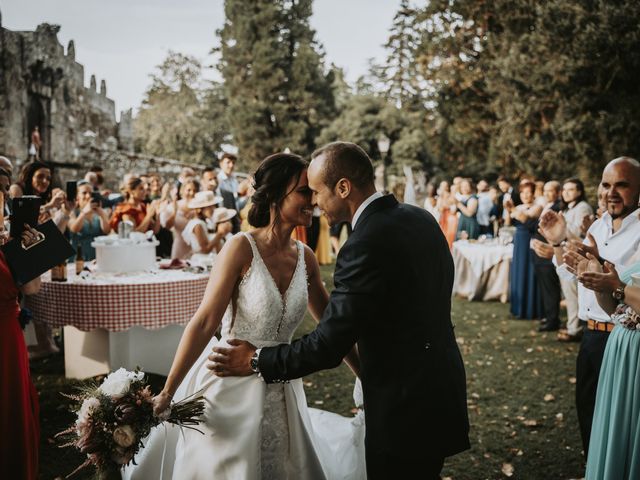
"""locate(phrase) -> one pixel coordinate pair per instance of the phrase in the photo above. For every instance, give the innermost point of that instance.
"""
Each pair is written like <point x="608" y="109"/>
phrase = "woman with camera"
<point x="87" y="221"/>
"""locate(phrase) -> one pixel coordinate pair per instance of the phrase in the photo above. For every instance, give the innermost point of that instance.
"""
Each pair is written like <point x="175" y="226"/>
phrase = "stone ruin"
<point x="43" y="86"/>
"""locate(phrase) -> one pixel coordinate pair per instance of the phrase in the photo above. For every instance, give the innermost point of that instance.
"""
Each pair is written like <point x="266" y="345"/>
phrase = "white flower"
<point x="124" y="436"/>
<point x="88" y="406"/>
<point x="117" y="383"/>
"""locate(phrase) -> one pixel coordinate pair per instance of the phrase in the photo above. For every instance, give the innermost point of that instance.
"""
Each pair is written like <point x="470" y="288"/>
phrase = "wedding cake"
<point x="120" y="255"/>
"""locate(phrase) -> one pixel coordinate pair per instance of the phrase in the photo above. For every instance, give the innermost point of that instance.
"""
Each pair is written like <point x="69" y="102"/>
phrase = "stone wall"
<point x="42" y="85"/>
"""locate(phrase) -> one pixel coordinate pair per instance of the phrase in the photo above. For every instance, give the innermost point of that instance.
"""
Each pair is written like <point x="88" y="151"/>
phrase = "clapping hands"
<point x="599" y="278"/>
<point x="553" y="227"/>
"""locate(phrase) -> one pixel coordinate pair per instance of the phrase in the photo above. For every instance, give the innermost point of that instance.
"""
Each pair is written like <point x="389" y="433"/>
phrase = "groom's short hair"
<point x="345" y="160"/>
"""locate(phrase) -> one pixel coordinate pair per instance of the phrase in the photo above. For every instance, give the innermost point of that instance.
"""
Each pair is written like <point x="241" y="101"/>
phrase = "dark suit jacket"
<point x="392" y="296"/>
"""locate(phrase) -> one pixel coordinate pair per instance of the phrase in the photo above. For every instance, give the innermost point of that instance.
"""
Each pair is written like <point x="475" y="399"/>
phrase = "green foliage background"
<point x="480" y="88"/>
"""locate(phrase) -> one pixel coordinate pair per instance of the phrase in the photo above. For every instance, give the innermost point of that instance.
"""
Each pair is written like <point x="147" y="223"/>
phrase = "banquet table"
<point x="482" y="270"/>
<point x="119" y="320"/>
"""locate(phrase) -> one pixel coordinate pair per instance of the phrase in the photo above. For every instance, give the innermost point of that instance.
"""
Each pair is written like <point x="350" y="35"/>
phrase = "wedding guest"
<point x="614" y="450"/>
<point x="431" y="201"/>
<point x="446" y="206"/>
<point x="155" y="186"/>
<point x="5" y="184"/>
<point x="195" y="231"/>
<point x="545" y="270"/>
<point x="19" y="410"/>
<point x="614" y="237"/>
<point x="209" y="180"/>
<point x="228" y="187"/>
<point x="485" y="208"/>
<point x="6" y="165"/>
<point x="177" y="214"/>
<point x="467" y="205"/>
<point x="35" y="179"/>
<point x="577" y="210"/>
<point x="323" y="249"/>
<point x="507" y="192"/>
<point x="168" y="199"/>
<point x="539" y="195"/>
<point x="134" y="209"/>
<point x="88" y="221"/>
<point x="524" y="295"/>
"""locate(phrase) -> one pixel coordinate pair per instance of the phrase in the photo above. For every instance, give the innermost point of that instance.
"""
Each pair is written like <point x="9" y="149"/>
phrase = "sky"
<point x="122" y="41"/>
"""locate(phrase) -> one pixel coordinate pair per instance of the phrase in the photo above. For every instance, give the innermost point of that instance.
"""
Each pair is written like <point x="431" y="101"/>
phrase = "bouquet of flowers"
<point x="114" y="417"/>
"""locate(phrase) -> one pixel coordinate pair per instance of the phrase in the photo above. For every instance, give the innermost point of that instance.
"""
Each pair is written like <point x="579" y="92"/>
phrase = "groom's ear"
<point x="343" y="188"/>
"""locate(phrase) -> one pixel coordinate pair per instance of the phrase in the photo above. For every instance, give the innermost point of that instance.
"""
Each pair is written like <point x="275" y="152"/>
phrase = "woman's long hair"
<point x="130" y="186"/>
<point x="25" y="179"/>
<point x="271" y="181"/>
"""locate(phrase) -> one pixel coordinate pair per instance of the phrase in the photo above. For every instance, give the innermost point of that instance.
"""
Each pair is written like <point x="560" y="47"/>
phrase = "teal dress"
<point x="468" y="223"/>
<point x="614" y="448"/>
<point x="83" y="239"/>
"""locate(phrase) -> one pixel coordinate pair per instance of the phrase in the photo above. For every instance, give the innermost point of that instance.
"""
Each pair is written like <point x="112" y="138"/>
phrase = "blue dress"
<point x="90" y="230"/>
<point x="523" y="290"/>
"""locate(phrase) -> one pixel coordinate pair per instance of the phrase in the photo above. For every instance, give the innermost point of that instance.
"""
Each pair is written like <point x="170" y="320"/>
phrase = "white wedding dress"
<point x="253" y="430"/>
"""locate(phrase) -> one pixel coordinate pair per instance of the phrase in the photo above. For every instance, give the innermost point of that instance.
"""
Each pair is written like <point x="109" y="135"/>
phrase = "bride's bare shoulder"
<point x="237" y="249"/>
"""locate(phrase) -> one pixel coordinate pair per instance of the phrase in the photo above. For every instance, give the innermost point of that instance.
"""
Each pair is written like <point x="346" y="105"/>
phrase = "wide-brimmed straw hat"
<point x="204" y="199"/>
<point x="223" y="215"/>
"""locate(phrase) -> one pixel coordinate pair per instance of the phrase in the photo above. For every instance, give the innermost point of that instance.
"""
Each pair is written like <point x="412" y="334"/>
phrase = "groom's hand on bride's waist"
<point x="233" y="361"/>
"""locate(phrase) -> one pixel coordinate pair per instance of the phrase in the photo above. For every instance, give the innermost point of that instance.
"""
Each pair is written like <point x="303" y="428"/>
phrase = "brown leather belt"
<point x="600" y="326"/>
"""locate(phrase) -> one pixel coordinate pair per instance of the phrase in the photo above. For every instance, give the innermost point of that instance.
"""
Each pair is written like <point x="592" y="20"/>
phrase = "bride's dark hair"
<point x="270" y="181"/>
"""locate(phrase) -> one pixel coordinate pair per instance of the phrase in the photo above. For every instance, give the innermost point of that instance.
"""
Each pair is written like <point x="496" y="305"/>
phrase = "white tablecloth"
<point x="482" y="270"/>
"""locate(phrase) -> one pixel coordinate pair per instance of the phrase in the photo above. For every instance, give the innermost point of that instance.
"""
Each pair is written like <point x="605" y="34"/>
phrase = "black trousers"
<point x="549" y="291"/>
<point x="383" y="466"/>
<point x="587" y="373"/>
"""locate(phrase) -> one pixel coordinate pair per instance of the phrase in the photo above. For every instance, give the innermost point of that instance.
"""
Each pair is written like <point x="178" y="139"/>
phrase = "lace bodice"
<point x="264" y="317"/>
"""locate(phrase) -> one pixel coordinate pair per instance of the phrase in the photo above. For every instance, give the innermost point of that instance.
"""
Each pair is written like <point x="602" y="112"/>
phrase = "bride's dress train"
<point x="253" y="430"/>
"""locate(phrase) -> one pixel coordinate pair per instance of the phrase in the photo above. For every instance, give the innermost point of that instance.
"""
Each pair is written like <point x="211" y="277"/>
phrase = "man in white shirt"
<point x="614" y="237"/>
<point x="577" y="209"/>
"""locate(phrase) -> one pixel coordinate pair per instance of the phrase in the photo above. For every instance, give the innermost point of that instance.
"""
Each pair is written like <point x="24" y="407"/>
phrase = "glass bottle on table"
<point x="79" y="261"/>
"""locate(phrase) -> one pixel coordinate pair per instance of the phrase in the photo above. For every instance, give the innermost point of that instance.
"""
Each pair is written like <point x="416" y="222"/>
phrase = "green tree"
<point x="181" y="116"/>
<point x="452" y="56"/>
<point x="279" y="95"/>
<point x="565" y="85"/>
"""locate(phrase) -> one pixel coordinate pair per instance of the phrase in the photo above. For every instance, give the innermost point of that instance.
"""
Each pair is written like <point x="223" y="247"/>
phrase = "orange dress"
<point x="449" y="224"/>
<point x="136" y="212"/>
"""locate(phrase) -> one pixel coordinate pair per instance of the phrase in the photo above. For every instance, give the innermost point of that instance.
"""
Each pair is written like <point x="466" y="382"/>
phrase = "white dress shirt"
<point x="618" y="248"/>
<point x="361" y="208"/>
<point x="574" y="216"/>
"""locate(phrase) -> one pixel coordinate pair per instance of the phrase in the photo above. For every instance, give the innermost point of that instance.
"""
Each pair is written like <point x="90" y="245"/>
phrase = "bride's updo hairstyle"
<point x="271" y="183"/>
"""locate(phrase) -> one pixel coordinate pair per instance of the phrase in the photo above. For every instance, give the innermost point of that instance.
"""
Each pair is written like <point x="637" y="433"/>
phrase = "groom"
<point x="392" y="297"/>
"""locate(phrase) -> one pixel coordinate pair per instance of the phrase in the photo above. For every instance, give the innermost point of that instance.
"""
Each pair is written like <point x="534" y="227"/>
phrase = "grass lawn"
<point x="520" y="396"/>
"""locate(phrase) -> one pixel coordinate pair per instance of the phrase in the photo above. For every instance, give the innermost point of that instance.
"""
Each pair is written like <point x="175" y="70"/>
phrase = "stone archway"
<point x="37" y="117"/>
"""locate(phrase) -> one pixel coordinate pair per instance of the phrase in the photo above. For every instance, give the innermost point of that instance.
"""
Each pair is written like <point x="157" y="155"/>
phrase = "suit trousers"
<point x="549" y="291"/>
<point x="384" y="466"/>
<point x="570" y="292"/>
<point x="587" y="373"/>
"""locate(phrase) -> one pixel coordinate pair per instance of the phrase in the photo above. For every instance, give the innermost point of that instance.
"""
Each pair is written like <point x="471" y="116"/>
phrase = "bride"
<point x="259" y="290"/>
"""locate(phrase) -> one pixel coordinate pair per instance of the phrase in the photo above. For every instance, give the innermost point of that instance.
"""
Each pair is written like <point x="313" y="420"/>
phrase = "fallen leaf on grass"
<point x="507" y="469"/>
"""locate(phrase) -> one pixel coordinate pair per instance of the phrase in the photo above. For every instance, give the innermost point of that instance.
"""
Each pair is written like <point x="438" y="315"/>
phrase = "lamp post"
<point x="383" y="148"/>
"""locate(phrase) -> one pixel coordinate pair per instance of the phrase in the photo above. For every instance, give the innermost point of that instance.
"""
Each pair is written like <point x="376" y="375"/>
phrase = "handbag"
<point x="29" y="262"/>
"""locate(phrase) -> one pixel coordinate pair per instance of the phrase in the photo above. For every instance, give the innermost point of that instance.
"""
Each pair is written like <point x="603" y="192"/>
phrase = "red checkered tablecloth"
<point x="168" y="298"/>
